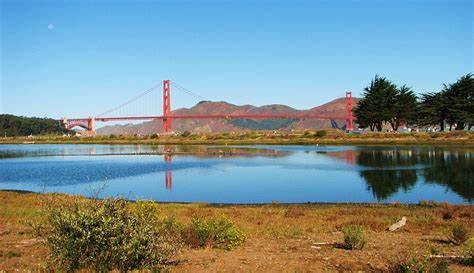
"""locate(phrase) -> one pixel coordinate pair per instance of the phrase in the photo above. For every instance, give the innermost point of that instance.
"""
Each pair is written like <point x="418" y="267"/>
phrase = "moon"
<point x="51" y="26"/>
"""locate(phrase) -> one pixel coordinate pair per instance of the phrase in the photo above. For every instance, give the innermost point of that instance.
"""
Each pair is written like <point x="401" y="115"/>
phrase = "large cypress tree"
<point x="454" y="105"/>
<point x="405" y="108"/>
<point x="378" y="105"/>
<point x="460" y="102"/>
<point x="432" y="110"/>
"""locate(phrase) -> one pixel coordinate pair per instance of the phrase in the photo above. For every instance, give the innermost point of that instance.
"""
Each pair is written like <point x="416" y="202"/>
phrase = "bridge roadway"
<point x="244" y="116"/>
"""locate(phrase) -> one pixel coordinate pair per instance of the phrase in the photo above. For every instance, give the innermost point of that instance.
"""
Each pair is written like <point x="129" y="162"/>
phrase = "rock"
<point x="398" y="224"/>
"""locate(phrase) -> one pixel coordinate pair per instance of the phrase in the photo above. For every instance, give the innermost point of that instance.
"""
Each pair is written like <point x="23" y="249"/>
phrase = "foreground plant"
<point x="469" y="252"/>
<point x="416" y="264"/>
<point x="354" y="237"/>
<point x="106" y="235"/>
<point x="458" y="234"/>
<point x="218" y="232"/>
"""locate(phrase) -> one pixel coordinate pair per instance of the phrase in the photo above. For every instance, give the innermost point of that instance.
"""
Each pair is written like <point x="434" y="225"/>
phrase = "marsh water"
<point x="243" y="174"/>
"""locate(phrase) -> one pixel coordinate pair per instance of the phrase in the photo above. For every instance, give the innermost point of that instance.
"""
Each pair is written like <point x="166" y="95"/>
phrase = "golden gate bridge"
<point x="167" y="117"/>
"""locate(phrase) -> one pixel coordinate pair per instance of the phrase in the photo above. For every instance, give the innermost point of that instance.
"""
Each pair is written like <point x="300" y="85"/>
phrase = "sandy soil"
<point x="280" y="238"/>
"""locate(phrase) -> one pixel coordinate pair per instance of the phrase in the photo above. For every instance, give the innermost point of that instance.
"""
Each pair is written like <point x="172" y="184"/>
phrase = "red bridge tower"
<point x="166" y="107"/>
<point x="349" y="117"/>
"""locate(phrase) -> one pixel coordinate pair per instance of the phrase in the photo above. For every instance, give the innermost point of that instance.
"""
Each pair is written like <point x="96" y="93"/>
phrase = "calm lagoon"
<point x="244" y="174"/>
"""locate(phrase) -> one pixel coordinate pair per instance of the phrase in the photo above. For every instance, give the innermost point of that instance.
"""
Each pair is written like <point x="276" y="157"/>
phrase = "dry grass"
<point x="331" y="137"/>
<point x="277" y="234"/>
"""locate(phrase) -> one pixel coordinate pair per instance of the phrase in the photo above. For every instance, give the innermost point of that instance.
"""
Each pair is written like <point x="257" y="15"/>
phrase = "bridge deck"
<point x="245" y="116"/>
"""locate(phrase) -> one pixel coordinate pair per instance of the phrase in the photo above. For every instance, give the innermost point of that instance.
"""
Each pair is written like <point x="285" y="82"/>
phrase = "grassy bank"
<point x="331" y="137"/>
<point x="280" y="237"/>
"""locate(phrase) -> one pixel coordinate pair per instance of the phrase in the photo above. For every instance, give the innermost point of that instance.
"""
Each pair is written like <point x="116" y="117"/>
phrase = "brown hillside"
<point x="333" y="108"/>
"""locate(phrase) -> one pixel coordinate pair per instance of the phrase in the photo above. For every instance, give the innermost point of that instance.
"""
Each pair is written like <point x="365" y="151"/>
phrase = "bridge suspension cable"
<point x="187" y="91"/>
<point x="88" y="123"/>
<point x="130" y="101"/>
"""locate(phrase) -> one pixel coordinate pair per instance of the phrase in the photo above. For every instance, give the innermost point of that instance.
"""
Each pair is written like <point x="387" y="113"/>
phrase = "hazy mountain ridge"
<point x="332" y="108"/>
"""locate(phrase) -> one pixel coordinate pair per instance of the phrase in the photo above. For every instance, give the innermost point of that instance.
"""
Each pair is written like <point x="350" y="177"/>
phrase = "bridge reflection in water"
<point x="386" y="171"/>
<point x="168" y="173"/>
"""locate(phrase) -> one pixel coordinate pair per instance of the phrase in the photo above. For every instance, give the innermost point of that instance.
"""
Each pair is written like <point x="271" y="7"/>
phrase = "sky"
<point x="80" y="58"/>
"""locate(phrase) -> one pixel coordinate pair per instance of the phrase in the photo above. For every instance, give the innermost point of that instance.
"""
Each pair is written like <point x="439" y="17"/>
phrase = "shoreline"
<point x="422" y="203"/>
<point x="324" y="142"/>
<point x="322" y="137"/>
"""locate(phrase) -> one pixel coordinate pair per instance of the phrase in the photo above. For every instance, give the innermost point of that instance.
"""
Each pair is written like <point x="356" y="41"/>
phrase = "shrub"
<point x="447" y="215"/>
<point x="458" y="234"/>
<point x="469" y="252"/>
<point x="408" y="264"/>
<point x="106" y="235"/>
<point x="320" y="134"/>
<point x="354" y="237"/>
<point x="428" y="204"/>
<point x="12" y="254"/>
<point x="218" y="232"/>
<point x="436" y="135"/>
<point x="186" y="134"/>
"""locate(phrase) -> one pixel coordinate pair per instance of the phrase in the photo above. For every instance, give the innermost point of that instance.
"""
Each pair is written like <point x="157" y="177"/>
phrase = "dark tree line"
<point x="23" y="126"/>
<point x="386" y="103"/>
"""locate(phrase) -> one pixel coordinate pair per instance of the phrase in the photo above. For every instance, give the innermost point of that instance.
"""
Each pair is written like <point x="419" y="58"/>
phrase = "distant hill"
<point x="333" y="108"/>
<point x="23" y="126"/>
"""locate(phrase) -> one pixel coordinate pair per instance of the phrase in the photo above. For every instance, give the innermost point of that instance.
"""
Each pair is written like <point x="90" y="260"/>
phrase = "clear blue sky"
<point x="78" y="58"/>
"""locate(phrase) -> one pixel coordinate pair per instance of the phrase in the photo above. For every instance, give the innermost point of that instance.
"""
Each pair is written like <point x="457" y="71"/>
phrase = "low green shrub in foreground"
<point x="354" y="237"/>
<point x="469" y="252"/>
<point x="217" y="232"/>
<point x="320" y="134"/>
<point x="458" y="234"/>
<point x="108" y="234"/>
<point x="416" y="264"/>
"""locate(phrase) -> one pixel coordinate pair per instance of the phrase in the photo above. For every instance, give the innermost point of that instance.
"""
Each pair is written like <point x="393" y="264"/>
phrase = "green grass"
<point x="12" y="254"/>
<point x="307" y="137"/>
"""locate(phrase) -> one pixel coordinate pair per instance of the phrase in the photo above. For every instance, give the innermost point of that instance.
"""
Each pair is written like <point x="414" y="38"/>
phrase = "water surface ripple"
<point x="244" y="174"/>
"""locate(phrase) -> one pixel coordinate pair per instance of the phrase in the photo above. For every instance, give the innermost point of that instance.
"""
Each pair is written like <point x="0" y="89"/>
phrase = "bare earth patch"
<point x="280" y="238"/>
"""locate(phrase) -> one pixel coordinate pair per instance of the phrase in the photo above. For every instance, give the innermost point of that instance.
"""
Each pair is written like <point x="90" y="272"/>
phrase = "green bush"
<point x="320" y="134"/>
<point x="428" y="204"/>
<point x="354" y="237"/>
<point x="437" y="135"/>
<point x="12" y="254"/>
<point x="307" y="134"/>
<point x="469" y="252"/>
<point x="106" y="235"/>
<point x="414" y="264"/>
<point x="218" y="232"/>
<point x="458" y="234"/>
<point x="185" y="134"/>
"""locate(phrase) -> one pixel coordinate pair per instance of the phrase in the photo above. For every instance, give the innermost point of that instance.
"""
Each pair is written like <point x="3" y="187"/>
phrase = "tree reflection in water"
<point x="453" y="169"/>
<point x="390" y="173"/>
<point x="390" y="170"/>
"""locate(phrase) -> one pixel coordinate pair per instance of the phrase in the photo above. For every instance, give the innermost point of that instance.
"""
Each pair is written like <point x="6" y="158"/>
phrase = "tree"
<point x="405" y="108"/>
<point x="378" y="104"/>
<point x="432" y="110"/>
<point x="460" y="102"/>
<point x="23" y="126"/>
<point x="454" y="105"/>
